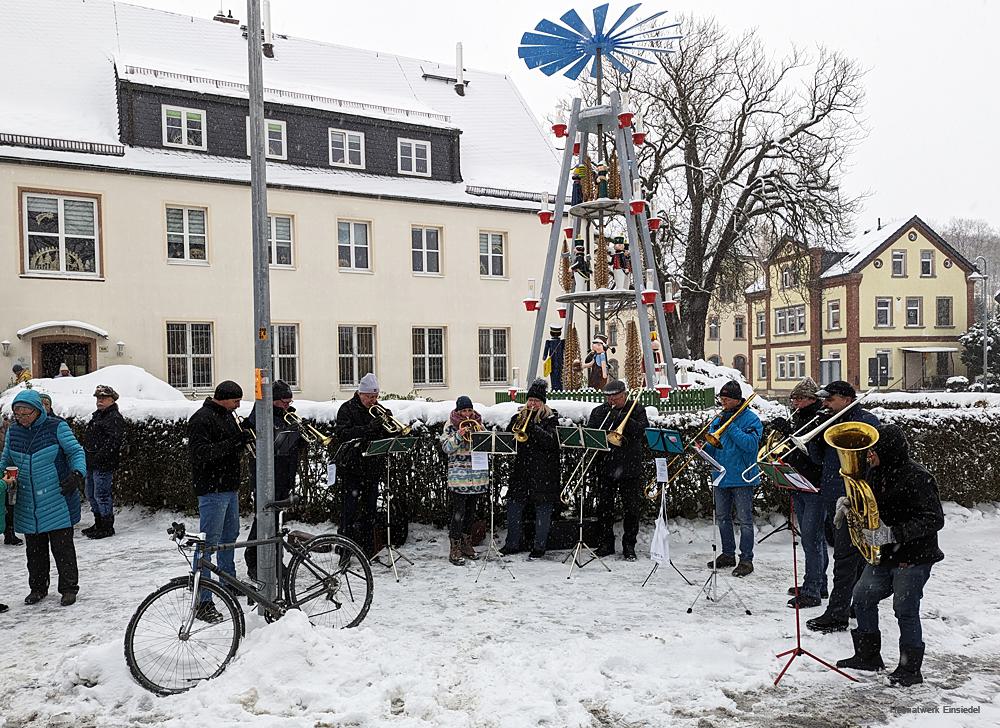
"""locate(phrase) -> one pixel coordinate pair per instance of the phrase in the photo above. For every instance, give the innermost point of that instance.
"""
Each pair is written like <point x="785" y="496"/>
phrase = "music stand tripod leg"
<point x="581" y="545"/>
<point x="492" y="551"/>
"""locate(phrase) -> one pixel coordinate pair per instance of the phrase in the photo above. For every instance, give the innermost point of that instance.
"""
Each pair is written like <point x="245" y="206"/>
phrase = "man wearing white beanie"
<point x="358" y="475"/>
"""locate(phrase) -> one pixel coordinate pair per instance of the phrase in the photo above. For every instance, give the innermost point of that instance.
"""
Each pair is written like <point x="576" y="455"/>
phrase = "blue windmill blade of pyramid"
<point x="572" y="46"/>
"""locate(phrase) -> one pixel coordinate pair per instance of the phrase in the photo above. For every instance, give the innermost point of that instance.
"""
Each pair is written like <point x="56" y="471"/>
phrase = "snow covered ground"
<point x="438" y="649"/>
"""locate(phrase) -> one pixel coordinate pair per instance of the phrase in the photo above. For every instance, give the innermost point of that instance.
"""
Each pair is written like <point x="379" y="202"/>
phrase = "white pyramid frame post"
<point x="639" y="224"/>
<point x="553" y="251"/>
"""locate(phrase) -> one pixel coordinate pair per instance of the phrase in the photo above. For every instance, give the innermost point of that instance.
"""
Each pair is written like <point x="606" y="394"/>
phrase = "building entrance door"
<point x="76" y="355"/>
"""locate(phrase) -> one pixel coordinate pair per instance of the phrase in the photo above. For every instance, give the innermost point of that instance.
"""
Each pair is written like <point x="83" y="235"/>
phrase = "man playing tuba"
<point x="619" y="470"/>
<point x="910" y="516"/>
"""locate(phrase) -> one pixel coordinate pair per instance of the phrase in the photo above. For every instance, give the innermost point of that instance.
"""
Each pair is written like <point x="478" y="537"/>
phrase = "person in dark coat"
<point x="534" y="474"/>
<point x="50" y="465"/>
<point x="216" y="443"/>
<point x="847" y="561"/>
<point x="910" y="516"/>
<point x="809" y="513"/>
<point x="102" y="441"/>
<point x="359" y="476"/>
<point x="619" y="470"/>
<point x="9" y="536"/>
<point x="288" y="449"/>
<point x="554" y="348"/>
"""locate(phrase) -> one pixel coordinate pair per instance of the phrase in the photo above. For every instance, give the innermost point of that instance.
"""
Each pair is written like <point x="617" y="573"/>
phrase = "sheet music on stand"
<point x="785" y="476"/>
<point x="667" y="441"/>
<point x="589" y="438"/>
<point x="493" y="443"/>
<point x="663" y="441"/>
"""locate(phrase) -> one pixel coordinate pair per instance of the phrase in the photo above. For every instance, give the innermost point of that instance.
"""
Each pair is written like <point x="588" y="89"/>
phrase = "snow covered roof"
<point x="860" y="247"/>
<point x="71" y="92"/>
<point x="62" y="324"/>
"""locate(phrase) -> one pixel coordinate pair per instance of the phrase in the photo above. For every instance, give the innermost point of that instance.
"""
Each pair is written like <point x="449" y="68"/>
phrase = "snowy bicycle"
<point x="173" y="642"/>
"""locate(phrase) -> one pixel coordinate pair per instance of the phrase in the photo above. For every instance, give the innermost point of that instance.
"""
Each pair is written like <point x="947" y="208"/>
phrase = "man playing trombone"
<point x="288" y="448"/>
<point x="838" y="397"/>
<point x="535" y="472"/>
<point x="737" y="454"/>
<point x="619" y="470"/>
<point x="358" y="475"/>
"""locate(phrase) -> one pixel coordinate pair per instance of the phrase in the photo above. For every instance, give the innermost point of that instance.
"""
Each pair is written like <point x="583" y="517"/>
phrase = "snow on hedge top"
<point x="87" y="42"/>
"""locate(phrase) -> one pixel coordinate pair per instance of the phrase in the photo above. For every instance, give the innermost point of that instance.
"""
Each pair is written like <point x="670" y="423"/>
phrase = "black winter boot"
<point x="908" y="672"/>
<point x="91" y="529"/>
<point x="867" y="652"/>
<point x="106" y="529"/>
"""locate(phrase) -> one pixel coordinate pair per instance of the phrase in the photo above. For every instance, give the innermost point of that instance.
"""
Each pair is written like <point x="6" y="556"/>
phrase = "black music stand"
<point x="389" y="447"/>
<point x="784" y="477"/>
<point x="711" y="586"/>
<point x="591" y="441"/>
<point x="663" y="441"/>
<point x="494" y="443"/>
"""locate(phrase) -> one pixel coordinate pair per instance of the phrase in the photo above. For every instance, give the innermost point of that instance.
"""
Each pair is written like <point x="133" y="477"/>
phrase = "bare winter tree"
<point x="974" y="237"/>
<point x="741" y="150"/>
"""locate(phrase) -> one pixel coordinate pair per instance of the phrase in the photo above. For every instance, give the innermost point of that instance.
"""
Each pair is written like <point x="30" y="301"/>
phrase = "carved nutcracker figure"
<point x="621" y="264"/>
<point x="580" y="266"/>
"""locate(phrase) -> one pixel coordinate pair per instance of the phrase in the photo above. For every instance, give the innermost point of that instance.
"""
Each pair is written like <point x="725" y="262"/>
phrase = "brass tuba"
<point x="852" y="440"/>
<point x="520" y="427"/>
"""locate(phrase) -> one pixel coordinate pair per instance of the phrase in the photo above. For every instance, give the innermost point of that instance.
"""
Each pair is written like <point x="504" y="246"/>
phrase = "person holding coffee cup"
<point x="50" y="464"/>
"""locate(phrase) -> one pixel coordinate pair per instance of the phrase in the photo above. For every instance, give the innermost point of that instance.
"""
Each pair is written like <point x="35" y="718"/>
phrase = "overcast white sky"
<point x="933" y="110"/>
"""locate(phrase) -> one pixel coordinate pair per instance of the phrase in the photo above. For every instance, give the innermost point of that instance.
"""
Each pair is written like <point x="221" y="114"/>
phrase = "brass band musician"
<point x="619" y="470"/>
<point x="535" y="472"/>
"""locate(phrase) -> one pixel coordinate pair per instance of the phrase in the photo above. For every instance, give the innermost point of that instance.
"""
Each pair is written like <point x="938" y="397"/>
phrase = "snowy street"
<point x="439" y="650"/>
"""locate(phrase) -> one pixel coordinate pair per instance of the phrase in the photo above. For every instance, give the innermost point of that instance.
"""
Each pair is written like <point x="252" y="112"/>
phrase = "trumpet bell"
<point x="712" y="439"/>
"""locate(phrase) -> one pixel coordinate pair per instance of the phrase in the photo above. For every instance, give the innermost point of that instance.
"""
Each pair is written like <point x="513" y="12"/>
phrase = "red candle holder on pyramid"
<point x="654" y="224"/>
<point x="530" y="304"/>
<point x="625" y="119"/>
<point x="545" y="216"/>
<point x="638" y="137"/>
<point x="560" y="130"/>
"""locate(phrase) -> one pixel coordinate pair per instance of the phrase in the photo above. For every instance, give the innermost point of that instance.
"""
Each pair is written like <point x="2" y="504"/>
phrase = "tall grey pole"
<point x="986" y="318"/>
<point x="261" y="301"/>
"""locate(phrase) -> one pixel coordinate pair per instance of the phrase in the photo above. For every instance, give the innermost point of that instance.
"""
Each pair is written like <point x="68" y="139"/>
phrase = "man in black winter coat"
<point x="102" y="441"/>
<point x="288" y="449"/>
<point x="534" y="474"/>
<point x="910" y="516"/>
<point x="619" y="470"/>
<point x="359" y="476"/>
<point x="216" y="443"/>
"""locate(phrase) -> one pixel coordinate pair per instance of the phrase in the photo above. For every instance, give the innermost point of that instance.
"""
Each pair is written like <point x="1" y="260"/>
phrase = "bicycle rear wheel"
<point x="160" y="659"/>
<point x="332" y="582"/>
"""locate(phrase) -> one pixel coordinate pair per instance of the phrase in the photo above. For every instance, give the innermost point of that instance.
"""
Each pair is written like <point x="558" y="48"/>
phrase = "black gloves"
<point x="73" y="482"/>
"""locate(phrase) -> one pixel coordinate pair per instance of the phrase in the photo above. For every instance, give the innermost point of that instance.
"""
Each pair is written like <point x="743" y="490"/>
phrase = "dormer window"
<point x="347" y="149"/>
<point x="184" y="128"/>
<point x="789" y="277"/>
<point x="276" y="135"/>
<point x="414" y="157"/>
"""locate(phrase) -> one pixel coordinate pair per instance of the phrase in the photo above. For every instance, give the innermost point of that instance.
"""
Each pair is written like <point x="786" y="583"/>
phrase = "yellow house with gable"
<point x="885" y="309"/>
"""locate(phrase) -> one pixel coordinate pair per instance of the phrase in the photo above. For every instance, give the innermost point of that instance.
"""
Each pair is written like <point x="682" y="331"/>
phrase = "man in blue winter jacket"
<point x="740" y="442"/>
<point x="50" y="464"/>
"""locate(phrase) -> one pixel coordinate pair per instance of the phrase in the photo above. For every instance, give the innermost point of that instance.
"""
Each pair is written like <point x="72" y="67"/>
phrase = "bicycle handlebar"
<point x="282" y="504"/>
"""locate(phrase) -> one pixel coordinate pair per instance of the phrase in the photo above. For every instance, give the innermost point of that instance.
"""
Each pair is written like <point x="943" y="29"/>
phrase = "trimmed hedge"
<point x="958" y="446"/>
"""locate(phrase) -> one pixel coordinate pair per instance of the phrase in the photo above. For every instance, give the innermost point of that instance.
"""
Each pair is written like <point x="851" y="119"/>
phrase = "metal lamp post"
<point x="985" y="278"/>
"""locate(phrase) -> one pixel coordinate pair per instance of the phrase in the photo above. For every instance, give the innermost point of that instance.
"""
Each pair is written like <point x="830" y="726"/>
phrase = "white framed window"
<point x="790" y="320"/>
<point x="184" y="128"/>
<point x="762" y="368"/>
<point x="789" y="277"/>
<point x="492" y="248"/>
<point x="428" y="356"/>
<point x="782" y="367"/>
<point x="279" y="240"/>
<point x="493" y="356"/>
<point x="347" y="148"/>
<point x="761" y="324"/>
<point x="883" y="312"/>
<point x="61" y="234"/>
<point x="926" y="263"/>
<point x="414" y="157"/>
<point x="945" y="311"/>
<point x="800" y="360"/>
<point x="425" y="249"/>
<point x="356" y="353"/>
<point x="713" y="328"/>
<point x="353" y="245"/>
<point x="898" y="263"/>
<point x="285" y="353"/>
<point x="189" y="355"/>
<point x="187" y="235"/>
<point x="833" y="314"/>
<point x="276" y="134"/>
<point x="739" y="327"/>
<point x="914" y="311"/>
<point x="781" y="321"/>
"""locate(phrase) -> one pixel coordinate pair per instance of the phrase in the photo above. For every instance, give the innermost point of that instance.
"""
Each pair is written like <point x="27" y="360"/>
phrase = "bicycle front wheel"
<point x="331" y="582"/>
<point x="164" y="660"/>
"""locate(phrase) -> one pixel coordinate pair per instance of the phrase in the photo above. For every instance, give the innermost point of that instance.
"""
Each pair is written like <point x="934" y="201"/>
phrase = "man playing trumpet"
<point x="465" y="485"/>
<point x="619" y="470"/>
<point x="535" y="472"/>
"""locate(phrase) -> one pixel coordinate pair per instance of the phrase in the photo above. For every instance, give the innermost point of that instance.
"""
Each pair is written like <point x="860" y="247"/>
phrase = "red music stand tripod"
<point x="784" y="477"/>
